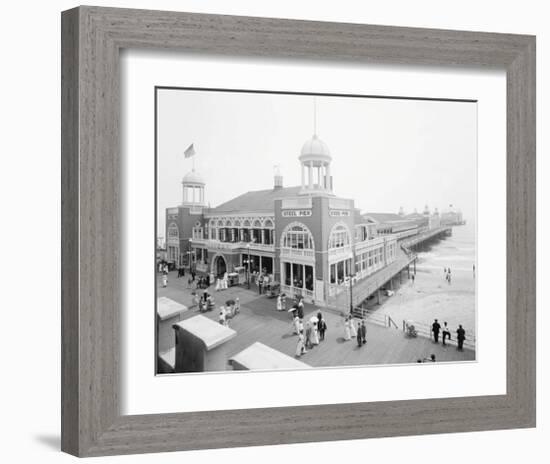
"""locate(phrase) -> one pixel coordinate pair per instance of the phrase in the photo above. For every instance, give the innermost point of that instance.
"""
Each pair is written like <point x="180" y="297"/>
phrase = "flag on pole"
<point x="190" y="151"/>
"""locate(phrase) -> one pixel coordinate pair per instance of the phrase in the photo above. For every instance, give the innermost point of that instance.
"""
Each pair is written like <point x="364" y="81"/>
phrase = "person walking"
<point x="460" y="337"/>
<point x="309" y="341"/>
<point x="359" y="335"/>
<point x="352" y="329"/>
<point x="279" y="303"/>
<point x="296" y="325"/>
<point x="319" y="315"/>
<point x="347" y="329"/>
<point x="446" y="333"/>
<point x="322" y="326"/>
<point x="300" y="347"/>
<point x="196" y="299"/>
<point x="164" y="280"/>
<point x="314" y="331"/>
<point x="237" y="305"/>
<point x="412" y="277"/>
<point x="301" y="307"/>
<point x="363" y="330"/>
<point x="436" y="326"/>
<point x="260" y="284"/>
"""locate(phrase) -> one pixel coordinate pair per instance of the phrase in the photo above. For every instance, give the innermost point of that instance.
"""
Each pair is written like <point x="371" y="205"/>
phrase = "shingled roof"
<point x="256" y="201"/>
<point x="384" y="217"/>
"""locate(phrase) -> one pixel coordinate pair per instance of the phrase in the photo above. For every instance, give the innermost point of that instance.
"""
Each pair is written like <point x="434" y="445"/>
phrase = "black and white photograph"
<point x="298" y="231"/>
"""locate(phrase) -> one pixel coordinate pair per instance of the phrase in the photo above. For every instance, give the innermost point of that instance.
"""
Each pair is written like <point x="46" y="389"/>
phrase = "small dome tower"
<point x="315" y="160"/>
<point x="193" y="189"/>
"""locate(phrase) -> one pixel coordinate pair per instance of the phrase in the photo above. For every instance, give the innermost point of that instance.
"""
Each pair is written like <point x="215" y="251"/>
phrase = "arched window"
<point x="268" y="224"/>
<point x="246" y="223"/>
<point x="173" y="231"/>
<point x="228" y="223"/>
<point x="339" y="236"/>
<point x="257" y="224"/>
<point x="297" y="235"/>
<point x="197" y="231"/>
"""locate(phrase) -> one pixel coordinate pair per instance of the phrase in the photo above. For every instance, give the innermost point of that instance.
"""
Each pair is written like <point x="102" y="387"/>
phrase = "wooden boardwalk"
<point x="260" y="321"/>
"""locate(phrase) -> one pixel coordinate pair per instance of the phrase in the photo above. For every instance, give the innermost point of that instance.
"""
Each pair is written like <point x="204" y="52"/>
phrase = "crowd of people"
<point x="311" y="333"/>
<point x="351" y="331"/>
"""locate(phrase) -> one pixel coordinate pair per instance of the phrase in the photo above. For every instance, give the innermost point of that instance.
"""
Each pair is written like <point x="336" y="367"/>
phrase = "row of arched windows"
<point x="245" y="223"/>
<point x="295" y="235"/>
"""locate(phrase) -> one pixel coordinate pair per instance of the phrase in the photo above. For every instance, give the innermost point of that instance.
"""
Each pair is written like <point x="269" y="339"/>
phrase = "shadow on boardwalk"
<point x="260" y="321"/>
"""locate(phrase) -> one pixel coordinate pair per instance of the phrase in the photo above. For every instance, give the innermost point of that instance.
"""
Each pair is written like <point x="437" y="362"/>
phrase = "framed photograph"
<point x="282" y="231"/>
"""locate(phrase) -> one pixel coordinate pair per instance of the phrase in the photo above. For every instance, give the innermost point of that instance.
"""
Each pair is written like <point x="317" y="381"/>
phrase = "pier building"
<point x="313" y="242"/>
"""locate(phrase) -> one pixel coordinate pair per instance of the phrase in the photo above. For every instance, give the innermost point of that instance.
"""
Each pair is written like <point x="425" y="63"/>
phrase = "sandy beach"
<point x="431" y="296"/>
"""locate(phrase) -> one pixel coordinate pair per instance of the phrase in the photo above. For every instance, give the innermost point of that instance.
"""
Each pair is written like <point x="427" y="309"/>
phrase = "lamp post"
<point x="248" y="266"/>
<point x="351" y="293"/>
<point x="190" y="255"/>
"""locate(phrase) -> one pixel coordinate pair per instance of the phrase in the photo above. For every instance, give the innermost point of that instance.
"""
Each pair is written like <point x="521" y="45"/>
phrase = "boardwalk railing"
<point x="422" y="330"/>
<point x="372" y="316"/>
<point x="423" y="236"/>
<point x="425" y="330"/>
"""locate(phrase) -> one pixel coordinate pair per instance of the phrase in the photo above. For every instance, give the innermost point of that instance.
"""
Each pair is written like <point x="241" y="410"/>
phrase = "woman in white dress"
<point x="296" y="325"/>
<point x="279" y="303"/>
<point x="347" y="329"/>
<point x="353" y="330"/>
<point x="164" y="280"/>
<point x="300" y="348"/>
<point x="314" y="330"/>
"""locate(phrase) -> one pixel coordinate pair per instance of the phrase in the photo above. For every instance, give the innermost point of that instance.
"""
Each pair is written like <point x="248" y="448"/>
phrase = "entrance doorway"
<point x="219" y="267"/>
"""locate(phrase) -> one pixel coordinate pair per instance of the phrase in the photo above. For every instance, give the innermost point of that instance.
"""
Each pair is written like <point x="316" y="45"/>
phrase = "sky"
<point x="386" y="153"/>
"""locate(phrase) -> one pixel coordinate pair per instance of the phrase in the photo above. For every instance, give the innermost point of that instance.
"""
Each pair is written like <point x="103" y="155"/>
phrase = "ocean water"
<point x="457" y="252"/>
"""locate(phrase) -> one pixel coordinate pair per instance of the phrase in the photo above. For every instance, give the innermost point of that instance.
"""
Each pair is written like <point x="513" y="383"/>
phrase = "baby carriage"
<point x="410" y="330"/>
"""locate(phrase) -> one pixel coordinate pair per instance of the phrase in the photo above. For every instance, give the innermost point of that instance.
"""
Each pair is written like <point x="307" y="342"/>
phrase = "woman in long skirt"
<point x="352" y="329"/>
<point x="347" y="329"/>
<point x="164" y="280"/>
<point x="300" y="348"/>
<point x="279" y="303"/>
<point x="309" y="344"/>
<point x="296" y="323"/>
<point x="314" y="331"/>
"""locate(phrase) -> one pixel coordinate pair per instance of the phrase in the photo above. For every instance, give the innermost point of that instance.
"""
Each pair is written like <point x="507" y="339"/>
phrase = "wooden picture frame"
<point x="92" y="39"/>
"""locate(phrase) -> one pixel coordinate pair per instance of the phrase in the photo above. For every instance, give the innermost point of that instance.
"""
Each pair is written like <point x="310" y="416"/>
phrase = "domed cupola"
<point x="315" y="160"/>
<point x="193" y="189"/>
<point x="315" y="149"/>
